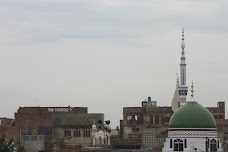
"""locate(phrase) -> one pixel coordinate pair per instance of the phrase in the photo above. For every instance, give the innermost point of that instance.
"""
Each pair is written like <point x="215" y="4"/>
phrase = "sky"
<point x="110" y="54"/>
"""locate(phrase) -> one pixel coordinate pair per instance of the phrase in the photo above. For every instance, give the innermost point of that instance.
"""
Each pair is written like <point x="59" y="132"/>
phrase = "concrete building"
<point x="147" y="124"/>
<point x="32" y="143"/>
<point x="55" y="128"/>
<point x="74" y="130"/>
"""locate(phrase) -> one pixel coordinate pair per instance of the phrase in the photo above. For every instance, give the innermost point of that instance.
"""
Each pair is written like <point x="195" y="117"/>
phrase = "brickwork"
<point x="10" y="132"/>
<point x="39" y="120"/>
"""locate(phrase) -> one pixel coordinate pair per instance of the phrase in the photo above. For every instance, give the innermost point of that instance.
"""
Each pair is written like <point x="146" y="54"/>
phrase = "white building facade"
<point x="192" y="128"/>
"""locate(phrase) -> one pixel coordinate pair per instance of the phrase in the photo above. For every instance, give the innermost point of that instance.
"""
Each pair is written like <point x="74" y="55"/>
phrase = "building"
<point x="192" y="128"/>
<point x="55" y="128"/>
<point x="8" y="131"/>
<point x="6" y="121"/>
<point x="148" y="125"/>
<point x="73" y="129"/>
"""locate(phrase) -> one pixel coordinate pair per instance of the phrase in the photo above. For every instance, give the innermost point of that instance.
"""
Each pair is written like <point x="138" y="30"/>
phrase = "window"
<point x="218" y="143"/>
<point x="171" y="143"/>
<point x="162" y="120"/>
<point x="213" y="147"/>
<point x="33" y="137"/>
<point x="67" y="132"/>
<point x="178" y="145"/>
<point x="86" y="132"/>
<point x="185" y="143"/>
<point x="151" y="119"/>
<point x="156" y="119"/>
<point x="77" y="132"/>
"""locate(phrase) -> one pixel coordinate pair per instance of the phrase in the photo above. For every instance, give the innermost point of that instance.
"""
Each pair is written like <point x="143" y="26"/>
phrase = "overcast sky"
<point x="110" y="54"/>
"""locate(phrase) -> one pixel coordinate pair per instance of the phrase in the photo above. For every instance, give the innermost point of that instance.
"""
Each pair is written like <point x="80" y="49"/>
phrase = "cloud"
<point x="85" y="53"/>
<point x="33" y="21"/>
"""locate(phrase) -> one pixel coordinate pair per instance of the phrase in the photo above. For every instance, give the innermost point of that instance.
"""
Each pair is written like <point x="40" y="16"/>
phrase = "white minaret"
<point x="183" y="89"/>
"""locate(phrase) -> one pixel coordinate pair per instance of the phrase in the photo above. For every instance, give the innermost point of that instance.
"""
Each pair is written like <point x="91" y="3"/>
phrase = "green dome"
<point x="192" y="115"/>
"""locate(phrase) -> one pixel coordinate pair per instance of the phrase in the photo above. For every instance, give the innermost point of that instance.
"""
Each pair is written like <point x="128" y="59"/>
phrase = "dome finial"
<point x="192" y="95"/>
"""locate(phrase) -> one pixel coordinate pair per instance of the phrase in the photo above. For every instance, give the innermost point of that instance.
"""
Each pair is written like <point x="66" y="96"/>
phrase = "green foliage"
<point x="6" y="146"/>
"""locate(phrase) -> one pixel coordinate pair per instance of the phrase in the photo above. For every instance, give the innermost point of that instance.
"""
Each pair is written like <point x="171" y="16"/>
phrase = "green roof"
<point x="192" y="115"/>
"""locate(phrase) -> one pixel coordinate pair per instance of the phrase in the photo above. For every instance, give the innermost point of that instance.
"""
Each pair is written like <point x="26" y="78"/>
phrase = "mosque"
<point x="185" y="126"/>
<point x="192" y="127"/>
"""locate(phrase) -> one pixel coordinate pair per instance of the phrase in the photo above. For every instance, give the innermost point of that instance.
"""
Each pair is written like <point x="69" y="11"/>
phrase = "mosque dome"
<point x="192" y="115"/>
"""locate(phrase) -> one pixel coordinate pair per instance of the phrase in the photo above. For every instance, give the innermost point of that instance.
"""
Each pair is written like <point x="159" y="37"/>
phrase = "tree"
<point x="6" y="146"/>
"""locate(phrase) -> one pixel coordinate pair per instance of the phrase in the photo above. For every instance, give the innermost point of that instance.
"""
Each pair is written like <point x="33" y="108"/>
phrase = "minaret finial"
<point x="192" y="95"/>
<point x="182" y="44"/>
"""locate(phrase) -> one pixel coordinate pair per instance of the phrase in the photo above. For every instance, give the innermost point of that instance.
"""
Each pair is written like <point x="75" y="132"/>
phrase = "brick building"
<point x="10" y="132"/>
<point x="54" y="126"/>
<point x="147" y="124"/>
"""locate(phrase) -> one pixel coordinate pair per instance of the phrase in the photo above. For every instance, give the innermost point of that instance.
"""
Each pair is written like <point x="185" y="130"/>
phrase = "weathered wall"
<point x="10" y="132"/>
<point x="76" y="120"/>
<point x="39" y="120"/>
<point x="33" y="143"/>
<point x="70" y="122"/>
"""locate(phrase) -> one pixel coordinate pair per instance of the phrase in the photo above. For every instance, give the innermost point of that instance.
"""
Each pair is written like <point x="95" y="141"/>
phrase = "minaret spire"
<point x="177" y="77"/>
<point x="183" y="89"/>
<point x="183" y="64"/>
<point x="176" y="97"/>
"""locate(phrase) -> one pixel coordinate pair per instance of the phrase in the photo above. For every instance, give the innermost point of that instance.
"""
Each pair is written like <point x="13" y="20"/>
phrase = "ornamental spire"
<point x="177" y="77"/>
<point x="182" y="44"/>
<point x="183" y="64"/>
<point x="192" y="95"/>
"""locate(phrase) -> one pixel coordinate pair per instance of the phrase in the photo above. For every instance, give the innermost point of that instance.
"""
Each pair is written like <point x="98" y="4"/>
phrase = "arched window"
<point x="213" y="144"/>
<point x="178" y="145"/>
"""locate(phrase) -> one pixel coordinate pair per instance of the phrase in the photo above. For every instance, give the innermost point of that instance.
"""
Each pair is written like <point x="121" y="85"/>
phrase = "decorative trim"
<point x="192" y="129"/>
<point x="191" y="134"/>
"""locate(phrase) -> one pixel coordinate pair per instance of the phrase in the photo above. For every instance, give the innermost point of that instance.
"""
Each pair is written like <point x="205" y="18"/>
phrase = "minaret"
<point x="183" y="89"/>
<point x="176" y="97"/>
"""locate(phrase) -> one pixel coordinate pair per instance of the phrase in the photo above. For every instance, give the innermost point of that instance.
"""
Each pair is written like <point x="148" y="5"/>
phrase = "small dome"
<point x="192" y="115"/>
<point x="94" y="126"/>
